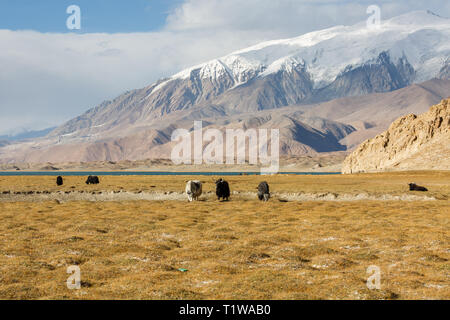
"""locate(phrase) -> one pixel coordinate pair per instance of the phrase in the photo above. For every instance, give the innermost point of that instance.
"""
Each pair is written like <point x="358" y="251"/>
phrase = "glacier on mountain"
<point x="421" y="37"/>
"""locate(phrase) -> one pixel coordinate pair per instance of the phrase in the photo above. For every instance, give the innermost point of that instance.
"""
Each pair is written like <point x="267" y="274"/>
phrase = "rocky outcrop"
<point x="411" y="143"/>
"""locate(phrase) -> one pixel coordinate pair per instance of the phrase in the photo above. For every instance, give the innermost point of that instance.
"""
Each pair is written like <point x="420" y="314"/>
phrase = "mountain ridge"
<point x="304" y="73"/>
<point x="308" y="69"/>
<point x="340" y="124"/>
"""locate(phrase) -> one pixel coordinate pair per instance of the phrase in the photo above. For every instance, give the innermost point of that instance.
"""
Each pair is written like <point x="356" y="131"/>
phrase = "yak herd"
<point x="90" y="180"/>
<point x="194" y="188"/>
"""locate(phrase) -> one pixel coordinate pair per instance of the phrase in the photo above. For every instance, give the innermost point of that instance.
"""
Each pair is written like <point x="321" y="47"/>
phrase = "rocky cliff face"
<point x="411" y="143"/>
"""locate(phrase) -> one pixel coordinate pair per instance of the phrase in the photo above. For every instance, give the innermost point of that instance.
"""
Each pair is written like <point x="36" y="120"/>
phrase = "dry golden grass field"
<point x="241" y="249"/>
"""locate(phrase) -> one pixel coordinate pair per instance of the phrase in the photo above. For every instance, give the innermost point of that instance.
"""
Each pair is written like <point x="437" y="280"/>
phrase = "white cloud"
<point x="48" y="78"/>
<point x="287" y="17"/>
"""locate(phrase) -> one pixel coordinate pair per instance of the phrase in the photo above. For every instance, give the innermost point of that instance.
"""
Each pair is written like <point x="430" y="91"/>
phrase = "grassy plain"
<point x="241" y="249"/>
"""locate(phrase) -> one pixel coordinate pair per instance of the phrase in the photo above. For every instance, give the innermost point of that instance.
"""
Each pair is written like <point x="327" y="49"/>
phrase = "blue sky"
<point x="97" y="15"/>
<point x="50" y="74"/>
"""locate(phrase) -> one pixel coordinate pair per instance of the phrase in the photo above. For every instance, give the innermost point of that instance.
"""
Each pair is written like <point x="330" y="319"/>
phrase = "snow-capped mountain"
<point x="343" y="61"/>
<point x="419" y="38"/>
<point x="315" y="67"/>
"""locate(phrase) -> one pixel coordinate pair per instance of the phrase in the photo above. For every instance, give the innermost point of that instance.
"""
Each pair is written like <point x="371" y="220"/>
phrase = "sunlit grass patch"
<point x="242" y="249"/>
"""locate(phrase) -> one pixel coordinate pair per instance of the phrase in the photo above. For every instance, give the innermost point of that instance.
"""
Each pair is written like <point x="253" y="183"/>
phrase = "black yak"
<point x="222" y="189"/>
<point x="59" y="181"/>
<point x="92" y="180"/>
<point x="415" y="187"/>
<point x="263" y="191"/>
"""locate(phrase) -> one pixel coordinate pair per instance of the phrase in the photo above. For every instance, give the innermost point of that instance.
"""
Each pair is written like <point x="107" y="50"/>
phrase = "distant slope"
<point x="411" y="143"/>
<point x="445" y="71"/>
<point x="32" y="134"/>
<point x="337" y="125"/>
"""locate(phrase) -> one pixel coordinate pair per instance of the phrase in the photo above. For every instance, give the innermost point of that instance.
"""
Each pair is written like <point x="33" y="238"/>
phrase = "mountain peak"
<point x="322" y="55"/>
<point x="435" y="14"/>
<point x="419" y="18"/>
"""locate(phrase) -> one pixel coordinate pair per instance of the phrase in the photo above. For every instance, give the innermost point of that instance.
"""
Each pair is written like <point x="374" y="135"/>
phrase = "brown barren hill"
<point x="411" y="143"/>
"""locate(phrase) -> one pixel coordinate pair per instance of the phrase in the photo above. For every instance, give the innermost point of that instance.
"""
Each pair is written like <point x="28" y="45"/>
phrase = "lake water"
<point x="143" y="173"/>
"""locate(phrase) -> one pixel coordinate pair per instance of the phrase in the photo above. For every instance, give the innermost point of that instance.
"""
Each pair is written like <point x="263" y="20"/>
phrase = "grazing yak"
<point x="222" y="189"/>
<point x="263" y="191"/>
<point x="59" y="181"/>
<point x="193" y="190"/>
<point x="415" y="187"/>
<point x="92" y="180"/>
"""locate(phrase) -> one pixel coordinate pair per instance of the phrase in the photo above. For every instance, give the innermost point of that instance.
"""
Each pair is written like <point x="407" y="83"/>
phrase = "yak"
<point x="263" y="191"/>
<point x="92" y="180"/>
<point x="193" y="190"/>
<point x="222" y="189"/>
<point x="415" y="187"/>
<point x="59" y="181"/>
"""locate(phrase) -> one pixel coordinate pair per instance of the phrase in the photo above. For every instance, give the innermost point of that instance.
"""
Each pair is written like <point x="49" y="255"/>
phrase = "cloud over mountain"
<point x="250" y="87"/>
<point x="49" y="78"/>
